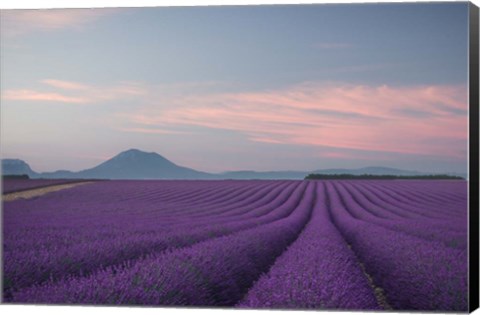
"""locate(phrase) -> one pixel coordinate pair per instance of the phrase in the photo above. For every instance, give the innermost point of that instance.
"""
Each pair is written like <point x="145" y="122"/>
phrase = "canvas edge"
<point x="473" y="176"/>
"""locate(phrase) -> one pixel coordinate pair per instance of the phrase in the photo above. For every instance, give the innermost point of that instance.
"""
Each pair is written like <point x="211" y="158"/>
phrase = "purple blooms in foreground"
<point x="360" y="244"/>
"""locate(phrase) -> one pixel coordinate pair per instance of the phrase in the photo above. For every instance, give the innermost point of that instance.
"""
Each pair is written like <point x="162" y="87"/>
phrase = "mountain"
<point x="17" y="167"/>
<point x="130" y="164"/>
<point x="136" y="164"/>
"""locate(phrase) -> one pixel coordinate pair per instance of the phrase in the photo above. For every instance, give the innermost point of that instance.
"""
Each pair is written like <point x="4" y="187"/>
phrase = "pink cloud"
<point x="411" y="120"/>
<point x="99" y="92"/>
<point x="265" y="140"/>
<point x="66" y="85"/>
<point x="29" y="95"/>
<point x="121" y="89"/>
<point x="78" y="93"/>
<point x="420" y="120"/>
<point x="20" y="22"/>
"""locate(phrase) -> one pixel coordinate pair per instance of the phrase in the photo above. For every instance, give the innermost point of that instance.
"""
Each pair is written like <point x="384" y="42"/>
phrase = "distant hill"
<point x="17" y="167"/>
<point x="377" y="170"/>
<point x="372" y="170"/>
<point x="130" y="164"/>
<point x="58" y="174"/>
<point x="381" y="177"/>
<point x="136" y="164"/>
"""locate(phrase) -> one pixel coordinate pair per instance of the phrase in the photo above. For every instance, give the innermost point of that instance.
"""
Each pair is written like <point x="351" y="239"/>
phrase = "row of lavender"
<point x="104" y="224"/>
<point x="275" y="244"/>
<point x="409" y="263"/>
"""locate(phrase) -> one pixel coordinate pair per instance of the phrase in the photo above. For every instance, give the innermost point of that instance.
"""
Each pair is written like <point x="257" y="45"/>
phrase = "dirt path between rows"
<point x="35" y="192"/>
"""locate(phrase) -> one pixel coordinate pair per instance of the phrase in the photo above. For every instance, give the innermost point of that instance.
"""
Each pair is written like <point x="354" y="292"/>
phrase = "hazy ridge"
<point x="136" y="164"/>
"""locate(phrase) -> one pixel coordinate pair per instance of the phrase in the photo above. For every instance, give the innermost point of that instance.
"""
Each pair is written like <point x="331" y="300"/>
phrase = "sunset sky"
<point x="231" y="88"/>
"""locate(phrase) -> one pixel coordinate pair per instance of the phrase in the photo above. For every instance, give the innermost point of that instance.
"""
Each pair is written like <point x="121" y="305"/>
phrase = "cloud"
<point x="360" y="117"/>
<point x="427" y="120"/>
<point x="29" y="95"/>
<point x="66" y="85"/>
<point x="265" y="140"/>
<point x="75" y="92"/>
<point x="21" y="22"/>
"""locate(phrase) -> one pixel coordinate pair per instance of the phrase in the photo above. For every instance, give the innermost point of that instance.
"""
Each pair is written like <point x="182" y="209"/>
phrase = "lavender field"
<point x="359" y="244"/>
<point x="16" y="185"/>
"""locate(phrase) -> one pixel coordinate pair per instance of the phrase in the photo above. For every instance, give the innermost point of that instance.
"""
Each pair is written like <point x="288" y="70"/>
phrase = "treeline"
<point x="369" y="176"/>
<point x="23" y="176"/>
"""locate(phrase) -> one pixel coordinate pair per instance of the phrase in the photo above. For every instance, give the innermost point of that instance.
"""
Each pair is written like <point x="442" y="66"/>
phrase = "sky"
<point x="284" y="87"/>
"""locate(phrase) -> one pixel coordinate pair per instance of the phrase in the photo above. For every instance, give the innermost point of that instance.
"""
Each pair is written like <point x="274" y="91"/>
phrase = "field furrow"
<point x="35" y="264"/>
<point x="318" y="271"/>
<point x="389" y="199"/>
<point x="415" y="274"/>
<point x="420" y="229"/>
<point x="421" y="193"/>
<point x="216" y="272"/>
<point x="332" y="244"/>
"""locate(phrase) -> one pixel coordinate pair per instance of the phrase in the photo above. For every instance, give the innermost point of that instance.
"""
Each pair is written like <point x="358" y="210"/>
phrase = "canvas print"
<point x="268" y="156"/>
